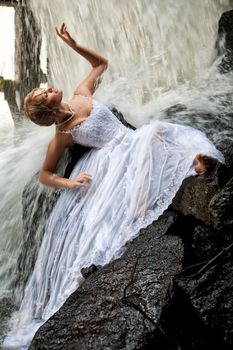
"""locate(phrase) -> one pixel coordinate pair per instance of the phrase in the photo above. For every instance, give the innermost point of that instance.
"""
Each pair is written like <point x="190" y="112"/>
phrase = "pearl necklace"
<point x="67" y="120"/>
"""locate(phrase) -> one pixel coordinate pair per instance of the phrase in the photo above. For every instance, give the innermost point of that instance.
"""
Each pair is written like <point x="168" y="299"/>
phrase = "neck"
<point x="64" y="114"/>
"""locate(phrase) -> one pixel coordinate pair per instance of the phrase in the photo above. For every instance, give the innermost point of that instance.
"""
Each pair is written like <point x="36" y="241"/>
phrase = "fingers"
<point x="83" y="179"/>
<point x="62" y="30"/>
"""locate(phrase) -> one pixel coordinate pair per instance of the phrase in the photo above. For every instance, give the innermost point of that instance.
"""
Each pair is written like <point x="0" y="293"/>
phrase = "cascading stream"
<point x="160" y="53"/>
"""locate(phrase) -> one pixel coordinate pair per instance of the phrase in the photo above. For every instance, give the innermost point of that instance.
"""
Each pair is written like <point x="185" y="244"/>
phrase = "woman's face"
<point x="52" y="97"/>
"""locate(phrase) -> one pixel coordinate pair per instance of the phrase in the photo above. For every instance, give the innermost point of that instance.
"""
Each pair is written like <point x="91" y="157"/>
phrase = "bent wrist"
<point x="69" y="184"/>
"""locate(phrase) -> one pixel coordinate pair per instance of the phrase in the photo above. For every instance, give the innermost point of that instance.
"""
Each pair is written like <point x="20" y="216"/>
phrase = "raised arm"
<point x="99" y="63"/>
<point x="54" y="153"/>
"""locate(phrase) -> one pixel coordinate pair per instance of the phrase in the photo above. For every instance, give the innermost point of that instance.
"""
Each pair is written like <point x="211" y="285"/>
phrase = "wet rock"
<point x="7" y="306"/>
<point x="120" y="116"/>
<point x="221" y="209"/>
<point x="209" y="198"/>
<point x="37" y="203"/>
<point x="225" y="172"/>
<point x="225" y="41"/>
<point x="87" y="271"/>
<point x="194" y="196"/>
<point x="119" y="306"/>
<point x="221" y="204"/>
<point x="211" y="297"/>
<point x="76" y="152"/>
<point x="175" y="109"/>
<point x="132" y="303"/>
<point x="205" y="244"/>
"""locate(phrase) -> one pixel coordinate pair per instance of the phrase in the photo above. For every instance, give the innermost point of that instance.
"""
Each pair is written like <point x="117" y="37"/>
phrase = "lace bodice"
<point x="99" y="129"/>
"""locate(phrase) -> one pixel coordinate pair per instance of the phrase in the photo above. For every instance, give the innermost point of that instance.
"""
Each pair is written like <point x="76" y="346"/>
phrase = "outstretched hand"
<point x="65" y="35"/>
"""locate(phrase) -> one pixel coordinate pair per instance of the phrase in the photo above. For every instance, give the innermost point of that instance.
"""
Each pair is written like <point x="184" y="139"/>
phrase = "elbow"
<point x="42" y="177"/>
<point x="103" y="64"/>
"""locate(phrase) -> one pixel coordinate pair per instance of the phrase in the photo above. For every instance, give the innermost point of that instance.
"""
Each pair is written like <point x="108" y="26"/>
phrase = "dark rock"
<point x="221" y="204"/>
<point x="120" y="116"/>
<point x="225" y="172"/>
<point x="87" y="271"/>
<point x="221" y="209"/>
<point x="27" y="57"/>
<point x="28" y="48"/>
<point x="7" y="306"/>
<point x="211" y="296"/>
<point x="37" y="203"/>
<point x="131" y="302"/>
<point x="209" y="198"/>
<point x="175" y="109"/>
<point x="181" y="323"/>
<point x="194" y="196"/>
<point x="205" y="244"/>
<point x="76" y="152"/>
<point x="128" y="303"/>
<point x="119" y="306"/>
<point x="225" y="41"/>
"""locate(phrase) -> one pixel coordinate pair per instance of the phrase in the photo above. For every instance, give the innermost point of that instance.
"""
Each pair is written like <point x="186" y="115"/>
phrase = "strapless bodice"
<point x="99" y="129"/>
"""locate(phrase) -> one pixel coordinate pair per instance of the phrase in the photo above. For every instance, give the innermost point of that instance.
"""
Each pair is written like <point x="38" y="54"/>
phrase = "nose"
<point x="49" y="89"/>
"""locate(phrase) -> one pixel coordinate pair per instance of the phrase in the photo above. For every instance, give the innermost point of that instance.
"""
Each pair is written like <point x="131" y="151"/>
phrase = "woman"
<point x="123" y="184"/>
<point x="45" y="107"/>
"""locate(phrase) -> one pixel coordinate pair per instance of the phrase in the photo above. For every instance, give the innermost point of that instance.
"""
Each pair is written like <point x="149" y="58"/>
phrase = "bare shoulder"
<point x="59" y="142"/>
<point x="62" y="139"/>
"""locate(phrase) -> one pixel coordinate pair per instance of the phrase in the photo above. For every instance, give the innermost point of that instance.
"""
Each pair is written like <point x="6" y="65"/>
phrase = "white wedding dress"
<point x="136" y="174"/>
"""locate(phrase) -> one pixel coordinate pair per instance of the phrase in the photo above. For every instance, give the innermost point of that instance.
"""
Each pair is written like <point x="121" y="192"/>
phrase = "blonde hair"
<point x="37" y="110"/>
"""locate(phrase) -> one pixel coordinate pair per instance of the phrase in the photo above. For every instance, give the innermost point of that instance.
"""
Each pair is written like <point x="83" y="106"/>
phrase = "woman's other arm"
<point x="99" y="63"/>
<point x="54" y="153"/>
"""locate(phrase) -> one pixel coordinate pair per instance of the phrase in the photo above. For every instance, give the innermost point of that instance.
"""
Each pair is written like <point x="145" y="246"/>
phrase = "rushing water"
<point x="161" y="53"/>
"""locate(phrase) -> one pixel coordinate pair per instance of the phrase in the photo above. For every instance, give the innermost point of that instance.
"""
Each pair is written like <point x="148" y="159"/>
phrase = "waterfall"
<point x="161" y="54"/>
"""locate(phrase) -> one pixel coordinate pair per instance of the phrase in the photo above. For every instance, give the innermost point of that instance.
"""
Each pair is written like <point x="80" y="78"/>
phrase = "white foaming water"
<point x="19" y="161"/>
<point x="160" y="54"/>
<point x="7" y="123"/>
<point x="155" y="48"/>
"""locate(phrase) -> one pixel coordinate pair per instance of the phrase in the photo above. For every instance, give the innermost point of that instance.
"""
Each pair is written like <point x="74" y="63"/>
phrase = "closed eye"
<point x="42" y="96"/>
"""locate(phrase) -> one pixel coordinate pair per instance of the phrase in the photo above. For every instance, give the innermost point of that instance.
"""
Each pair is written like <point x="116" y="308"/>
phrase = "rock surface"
<point x="221" y="208"/>
<point x="143" y="300"/>
<point x="119" y="306"/>
<point x="194" y="196"/>
<point x="225" y="41"/>
<point x="211" y="296"/>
